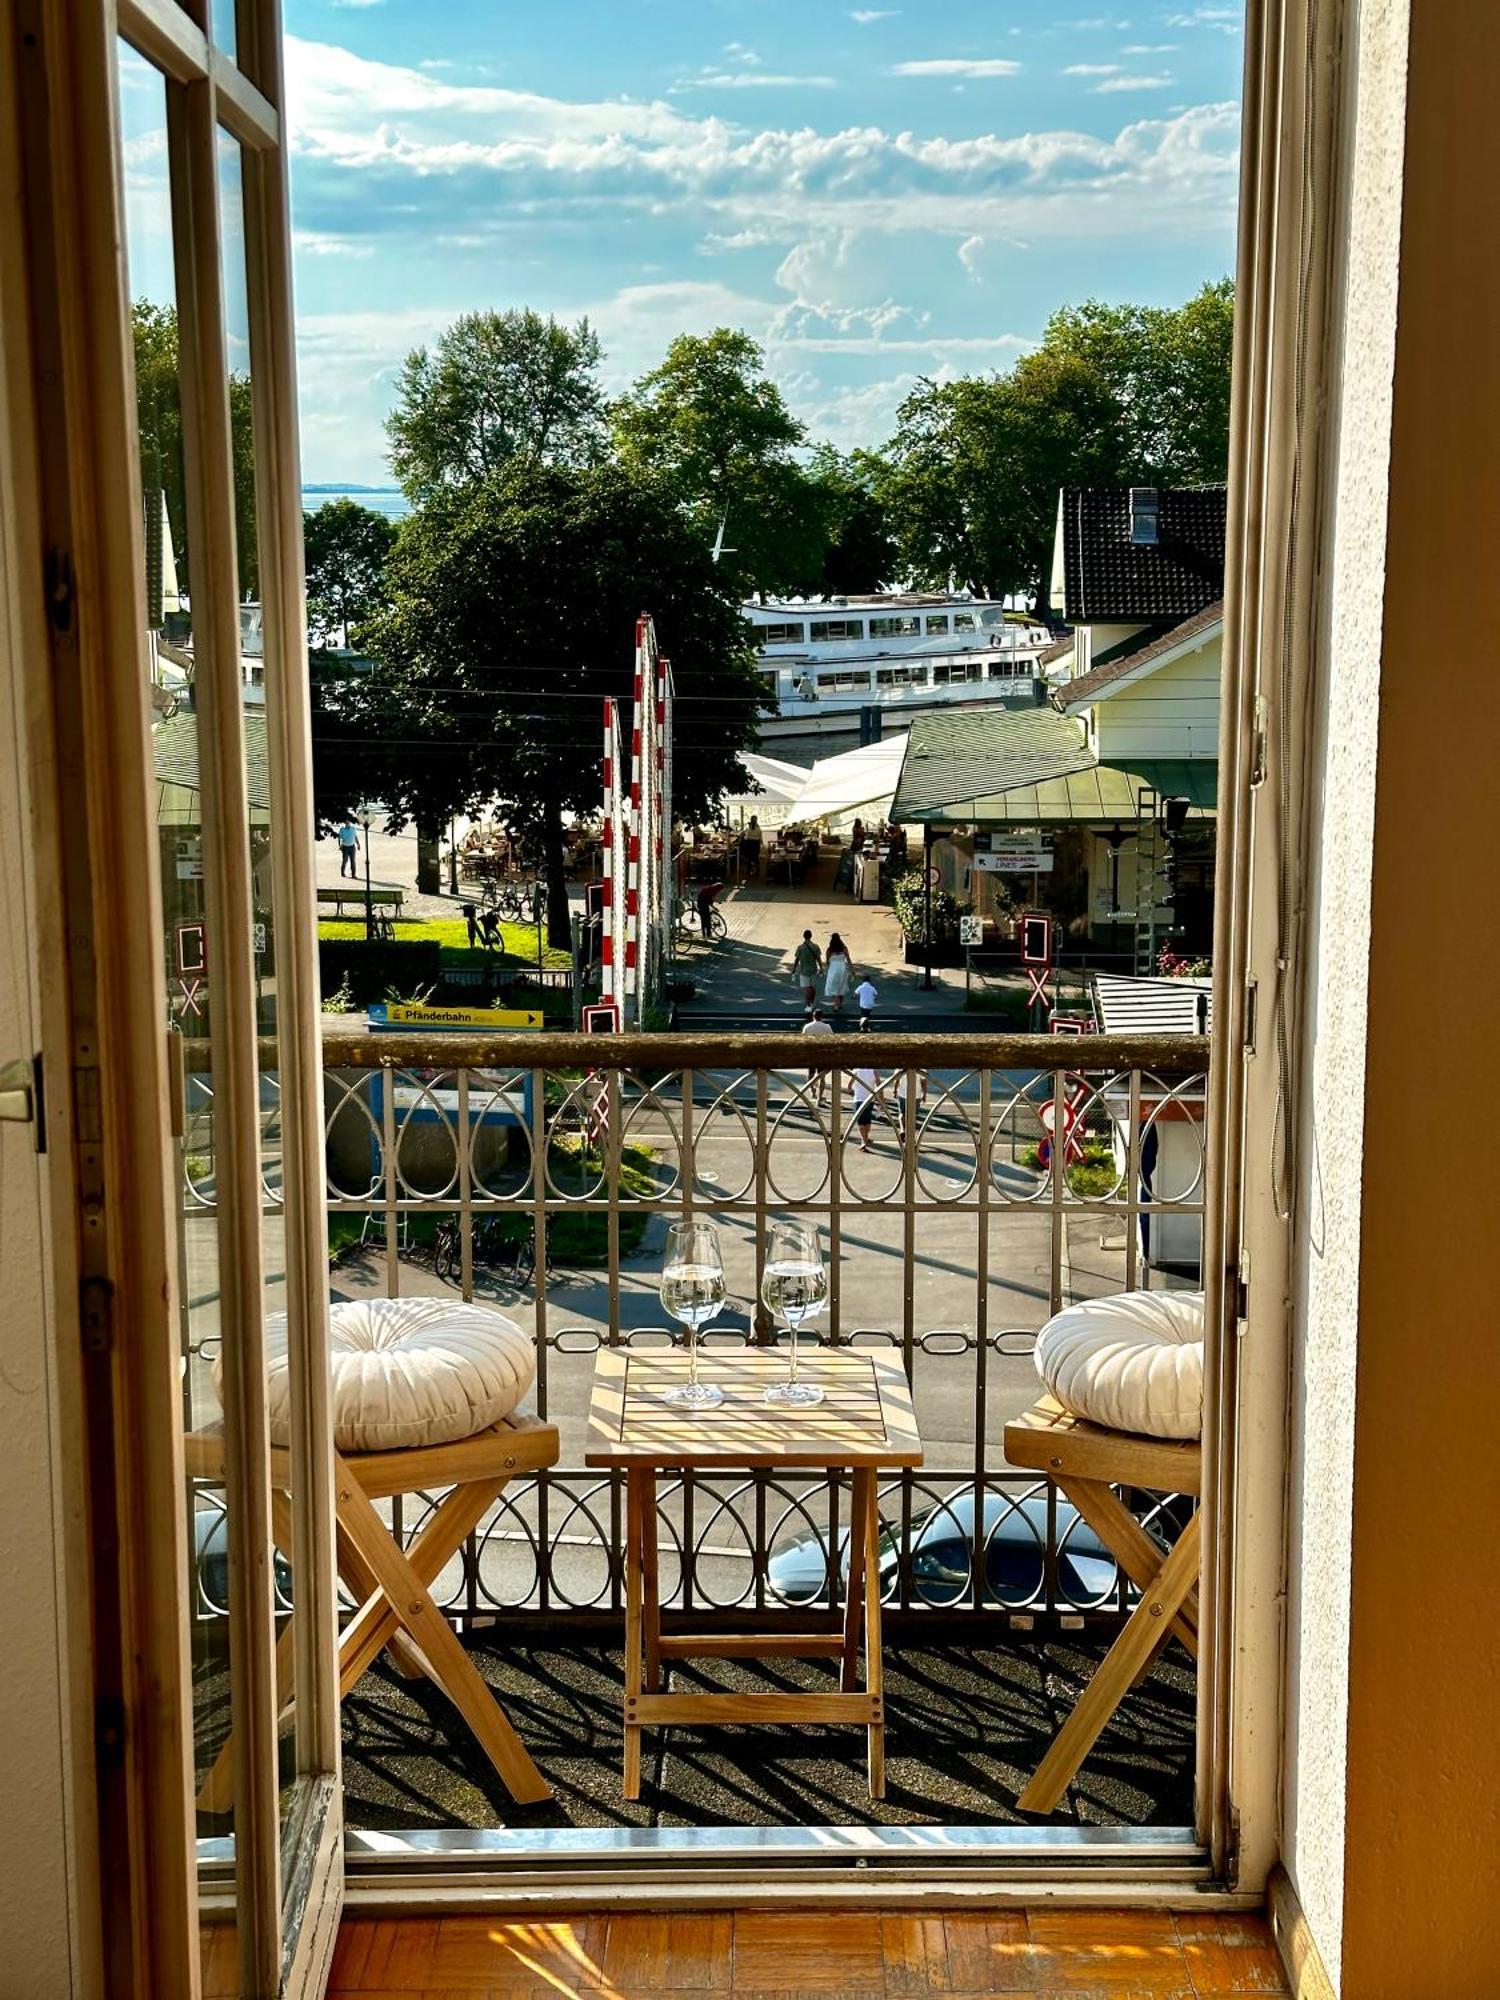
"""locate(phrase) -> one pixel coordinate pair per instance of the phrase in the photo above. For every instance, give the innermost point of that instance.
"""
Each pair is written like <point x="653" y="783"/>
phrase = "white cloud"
<point x="1120" y="83"/>
<point x="958" y="66"/>
<point x="970" y="253"/>
<point x="357" y="3"/>
<point x="1227" y="20"/>
<point x="1149" y="48"/>
<point x="864" y="16"/>
<point x="749" y="79"/>
<point x="1092" y="69"/>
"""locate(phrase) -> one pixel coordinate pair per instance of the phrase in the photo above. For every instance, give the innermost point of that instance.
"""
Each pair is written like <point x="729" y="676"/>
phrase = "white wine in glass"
<point x="692" y="1290"/>
<point x="794" y="1284"/>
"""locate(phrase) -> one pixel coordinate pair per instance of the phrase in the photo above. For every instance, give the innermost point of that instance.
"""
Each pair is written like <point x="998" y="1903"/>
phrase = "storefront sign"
<point x="1016" y="857"/>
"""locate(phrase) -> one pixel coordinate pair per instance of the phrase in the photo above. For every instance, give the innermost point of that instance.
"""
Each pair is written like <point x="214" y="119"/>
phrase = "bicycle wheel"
<point x="447" y="1256"/>
<point x="718" y="924"/>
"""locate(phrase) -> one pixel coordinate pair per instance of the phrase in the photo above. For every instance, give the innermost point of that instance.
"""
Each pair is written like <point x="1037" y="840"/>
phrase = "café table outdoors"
<point x="864" y="1426"/>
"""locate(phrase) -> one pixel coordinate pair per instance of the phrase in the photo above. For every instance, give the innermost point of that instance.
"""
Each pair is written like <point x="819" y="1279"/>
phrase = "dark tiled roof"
<point x="955" y="758"/>
<point x="1090" y="686"/>
<point x="1107" y="576"/>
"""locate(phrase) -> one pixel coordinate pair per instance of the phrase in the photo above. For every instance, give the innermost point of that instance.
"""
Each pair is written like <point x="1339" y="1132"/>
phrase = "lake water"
<point x="387" y="500"/>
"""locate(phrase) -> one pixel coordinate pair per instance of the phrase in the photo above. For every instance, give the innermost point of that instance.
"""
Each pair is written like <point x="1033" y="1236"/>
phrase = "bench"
<point x="383" y="906"/>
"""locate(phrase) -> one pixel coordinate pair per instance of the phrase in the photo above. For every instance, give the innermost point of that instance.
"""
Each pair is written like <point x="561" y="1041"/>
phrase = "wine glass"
<point x="692" y="1290"/>
<point x="794" y="1284"/>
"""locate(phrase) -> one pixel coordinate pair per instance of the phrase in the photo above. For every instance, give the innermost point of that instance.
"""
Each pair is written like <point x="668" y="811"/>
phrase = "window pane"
<point x="187" y="946"/>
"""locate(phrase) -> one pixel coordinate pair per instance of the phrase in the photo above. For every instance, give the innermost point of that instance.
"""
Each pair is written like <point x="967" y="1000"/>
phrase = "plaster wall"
<point x="1421" y="1915"/>
<point x="1330" y="1125"/>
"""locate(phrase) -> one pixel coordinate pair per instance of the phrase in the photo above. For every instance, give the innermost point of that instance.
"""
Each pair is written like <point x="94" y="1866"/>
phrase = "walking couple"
<point x="808" y="962"/>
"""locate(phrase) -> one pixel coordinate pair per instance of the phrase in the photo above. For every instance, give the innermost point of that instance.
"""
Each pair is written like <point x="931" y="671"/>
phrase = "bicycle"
<point x="689" y="919"/>
<point x="496" y="1247"/>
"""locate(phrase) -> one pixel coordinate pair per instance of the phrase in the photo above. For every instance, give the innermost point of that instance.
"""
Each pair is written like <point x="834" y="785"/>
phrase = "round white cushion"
<point x="1133" y="1363"/>
<point x="409" y="1372"/>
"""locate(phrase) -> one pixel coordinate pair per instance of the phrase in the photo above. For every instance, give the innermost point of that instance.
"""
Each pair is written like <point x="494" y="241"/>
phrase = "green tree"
<point x="495" y="387"/>
<point x="709" y="424"/>
<point x="861" y="553"/>
<point x="1168" y="370"/>
<point x="345" y="548"/>
<point x="158" y="396"/>
<point x="971" y="477"/>
<point x="512" y="613"/>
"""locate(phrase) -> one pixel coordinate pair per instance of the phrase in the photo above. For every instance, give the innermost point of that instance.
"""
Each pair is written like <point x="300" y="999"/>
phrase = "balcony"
<point x="543" y="1187"/>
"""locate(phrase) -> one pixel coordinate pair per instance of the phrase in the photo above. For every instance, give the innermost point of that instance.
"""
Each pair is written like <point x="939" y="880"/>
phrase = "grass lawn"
<point x="452" y="934"/>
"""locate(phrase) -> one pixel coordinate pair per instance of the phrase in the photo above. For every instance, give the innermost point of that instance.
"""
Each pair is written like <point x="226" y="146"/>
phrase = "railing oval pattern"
<point x="591" y="1146"/>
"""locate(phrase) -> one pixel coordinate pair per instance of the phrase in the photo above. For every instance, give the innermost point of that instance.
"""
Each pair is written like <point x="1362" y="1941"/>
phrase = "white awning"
<point x="858" y="783"/>
<point x="1153" y="1006"/>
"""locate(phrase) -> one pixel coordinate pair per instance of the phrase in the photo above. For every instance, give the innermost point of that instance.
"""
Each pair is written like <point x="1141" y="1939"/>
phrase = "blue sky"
<point x="875" y="192"/>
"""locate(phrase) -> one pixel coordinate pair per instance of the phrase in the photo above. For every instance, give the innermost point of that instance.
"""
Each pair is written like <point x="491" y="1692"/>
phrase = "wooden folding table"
<point x="391" y="1584"/>
<point x="1088" y="1461"/>
<point x="865" y="1424"/>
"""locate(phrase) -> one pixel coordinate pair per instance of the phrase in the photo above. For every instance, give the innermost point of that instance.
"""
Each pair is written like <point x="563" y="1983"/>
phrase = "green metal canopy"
<point x="1033" y="767"/>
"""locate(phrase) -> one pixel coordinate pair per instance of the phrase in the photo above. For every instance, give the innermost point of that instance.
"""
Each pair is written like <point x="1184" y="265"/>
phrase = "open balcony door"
<point x="169" y="848"/>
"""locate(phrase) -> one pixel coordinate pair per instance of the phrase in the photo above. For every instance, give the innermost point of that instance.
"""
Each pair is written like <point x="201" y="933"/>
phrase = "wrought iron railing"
<point x="457" y="1161"/>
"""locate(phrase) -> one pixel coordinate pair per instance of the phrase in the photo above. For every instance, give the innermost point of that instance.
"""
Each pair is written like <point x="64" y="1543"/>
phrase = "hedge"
<point x="373" y="967"/>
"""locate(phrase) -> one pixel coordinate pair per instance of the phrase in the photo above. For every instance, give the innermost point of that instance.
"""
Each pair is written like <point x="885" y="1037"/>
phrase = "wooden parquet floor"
<point x="755" y="1955"/>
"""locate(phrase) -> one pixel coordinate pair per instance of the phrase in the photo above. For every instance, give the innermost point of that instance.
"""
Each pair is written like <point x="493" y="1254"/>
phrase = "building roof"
<point x="1181" y="638"/>
<point x="1106" y="576"/>
<point x="175" y="742"/>
<point x="1032" y="767"/>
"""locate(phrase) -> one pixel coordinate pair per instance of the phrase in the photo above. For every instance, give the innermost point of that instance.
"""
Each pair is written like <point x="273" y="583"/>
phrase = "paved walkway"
<point x="750" y="976"/>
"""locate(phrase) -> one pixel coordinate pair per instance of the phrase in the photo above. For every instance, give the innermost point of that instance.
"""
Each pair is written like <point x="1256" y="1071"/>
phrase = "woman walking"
<point x="836" y="983"/>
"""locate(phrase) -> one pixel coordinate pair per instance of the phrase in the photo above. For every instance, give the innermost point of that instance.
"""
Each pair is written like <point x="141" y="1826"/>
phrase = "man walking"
<point x="817" y="1027"/>
<point x="869" y="1089"/>
<point x="348" y="848"/>
<point x="867" y="995"/>
<point x="807" y="963"/>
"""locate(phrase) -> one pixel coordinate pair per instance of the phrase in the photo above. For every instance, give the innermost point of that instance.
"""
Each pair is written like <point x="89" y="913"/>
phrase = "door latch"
<point x="21" y="1095"/>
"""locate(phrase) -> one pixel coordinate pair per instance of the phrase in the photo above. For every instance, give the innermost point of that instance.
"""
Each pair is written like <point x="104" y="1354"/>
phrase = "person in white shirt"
<point x="818" y="1027"/>
<point x="869" y="1086"/>
<point x="867" y="995"/>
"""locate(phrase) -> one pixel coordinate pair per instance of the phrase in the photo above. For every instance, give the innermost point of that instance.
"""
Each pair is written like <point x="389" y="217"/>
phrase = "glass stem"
<point x="692" y="1354"/>
<point x="792" y="1376"/>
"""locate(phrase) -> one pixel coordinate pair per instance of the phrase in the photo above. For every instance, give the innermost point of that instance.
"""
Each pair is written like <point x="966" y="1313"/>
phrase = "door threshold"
<point x="496" y="1868"/>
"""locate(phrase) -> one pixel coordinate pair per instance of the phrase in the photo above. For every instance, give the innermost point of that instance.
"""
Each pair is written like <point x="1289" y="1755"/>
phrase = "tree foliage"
<point x="1114" y="395"/>
<point x="496" y="386"/>
<point x="345" y="549"/>
<point x="513" y="608"/>
<point x="860" y="552"/>
<point x="720" y="436"/>
<point x="158" y="396"/>
<point x="1168" y="371"/>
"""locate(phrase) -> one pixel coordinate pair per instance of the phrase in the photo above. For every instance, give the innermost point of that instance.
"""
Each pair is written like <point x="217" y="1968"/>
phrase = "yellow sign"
<point x="411" y="1014"/>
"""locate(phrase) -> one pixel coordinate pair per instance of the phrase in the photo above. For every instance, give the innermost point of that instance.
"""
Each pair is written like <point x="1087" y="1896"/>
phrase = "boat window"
<point x="782" y="635"/>
<point x="838" y="628"/>
<point x="1006" y="670"/>
<point x="965" y="621"/>
<point x="992" y="618"/>
<point x="937" y="622"/>
<point x="842" y="683"/>
<point x="901" y="677"/>
<point x="952" y="672"/>
<point x="899" y="627"/>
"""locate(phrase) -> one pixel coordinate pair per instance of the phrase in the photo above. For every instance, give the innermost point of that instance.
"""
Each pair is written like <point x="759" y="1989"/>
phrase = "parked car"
<point x="942" y="1537"/>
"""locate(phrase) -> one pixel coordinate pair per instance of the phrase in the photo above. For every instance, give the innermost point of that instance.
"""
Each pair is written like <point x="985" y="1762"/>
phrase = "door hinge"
<point x="21" y="1099"/>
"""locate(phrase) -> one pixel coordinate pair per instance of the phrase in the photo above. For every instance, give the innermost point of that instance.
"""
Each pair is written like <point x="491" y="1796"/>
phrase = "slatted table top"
<point x="865" y="1418"/>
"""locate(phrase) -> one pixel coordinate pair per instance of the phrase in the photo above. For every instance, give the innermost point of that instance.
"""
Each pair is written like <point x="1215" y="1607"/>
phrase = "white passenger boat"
<point x="906" y="655"/>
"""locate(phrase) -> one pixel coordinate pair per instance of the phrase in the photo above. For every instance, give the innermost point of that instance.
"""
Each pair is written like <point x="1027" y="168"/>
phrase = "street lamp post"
<point x="369" y="900"/>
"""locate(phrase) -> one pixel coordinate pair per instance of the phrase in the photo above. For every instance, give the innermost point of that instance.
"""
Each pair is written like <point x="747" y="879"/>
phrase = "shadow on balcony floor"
<point x="967" y="1724"/>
